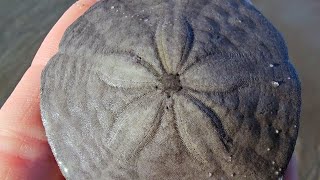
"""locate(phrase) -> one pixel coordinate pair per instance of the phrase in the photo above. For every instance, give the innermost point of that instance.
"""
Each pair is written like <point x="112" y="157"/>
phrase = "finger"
<point x="24" y="151"/>
<point x="23" y="144"/>
<point x="50" y="45"/>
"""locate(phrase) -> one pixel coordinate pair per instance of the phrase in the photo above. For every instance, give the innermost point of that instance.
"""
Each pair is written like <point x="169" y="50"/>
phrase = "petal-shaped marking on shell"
<point x="161" y="47"/>
<point x="122" y="70"/>
<point x="135" y="127"/>
<point x="199" y="131"/>
<point x="186" y="41"/>
<point x="79" y="111"/>
<point x="218" y="73"/>
<point x="174" y="40"/>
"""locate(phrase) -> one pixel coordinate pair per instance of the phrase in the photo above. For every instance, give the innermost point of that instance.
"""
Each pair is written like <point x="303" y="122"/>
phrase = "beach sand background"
<point x="24" y="24"/>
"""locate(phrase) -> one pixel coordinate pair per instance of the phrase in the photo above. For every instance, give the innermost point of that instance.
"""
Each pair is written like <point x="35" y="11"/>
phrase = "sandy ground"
<point x="24" y="24"/>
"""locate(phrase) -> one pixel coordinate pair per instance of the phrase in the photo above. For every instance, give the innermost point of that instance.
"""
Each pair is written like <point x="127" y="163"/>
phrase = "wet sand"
<point x="24" y="24"/>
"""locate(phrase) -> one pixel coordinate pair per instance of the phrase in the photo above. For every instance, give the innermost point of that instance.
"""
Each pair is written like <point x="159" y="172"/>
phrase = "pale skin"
<point x="24" y="150"/>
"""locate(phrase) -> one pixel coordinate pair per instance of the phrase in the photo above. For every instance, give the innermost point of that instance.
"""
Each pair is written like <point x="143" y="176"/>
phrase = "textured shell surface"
<point x="171" y="89"/>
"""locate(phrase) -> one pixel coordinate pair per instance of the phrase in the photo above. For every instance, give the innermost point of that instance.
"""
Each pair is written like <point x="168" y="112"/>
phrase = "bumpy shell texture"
<point x="171" y="89"/>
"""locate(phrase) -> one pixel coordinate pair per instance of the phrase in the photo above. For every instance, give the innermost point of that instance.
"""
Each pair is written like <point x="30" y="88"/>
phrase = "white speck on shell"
<point x="275" y="83"/>
<point x="65" y="170"/>
<point x="249" y="1"/>
<point x="112" y="7"/>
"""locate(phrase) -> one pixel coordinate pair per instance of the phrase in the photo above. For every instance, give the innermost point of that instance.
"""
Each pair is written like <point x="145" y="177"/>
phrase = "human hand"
<point x="24" y="150"/>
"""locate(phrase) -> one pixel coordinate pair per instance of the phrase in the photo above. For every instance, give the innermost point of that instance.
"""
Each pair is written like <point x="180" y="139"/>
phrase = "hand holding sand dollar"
<point x="171" y="90"/>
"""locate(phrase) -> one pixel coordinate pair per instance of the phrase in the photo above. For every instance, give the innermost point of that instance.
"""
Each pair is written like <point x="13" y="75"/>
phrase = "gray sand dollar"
<point x="171" y="89"/>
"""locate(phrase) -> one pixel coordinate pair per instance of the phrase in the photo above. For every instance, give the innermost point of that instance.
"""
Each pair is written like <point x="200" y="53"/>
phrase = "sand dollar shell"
<point x="175" y="89"/>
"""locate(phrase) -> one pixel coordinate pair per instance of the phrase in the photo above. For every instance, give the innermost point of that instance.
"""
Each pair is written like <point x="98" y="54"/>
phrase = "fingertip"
<point x="50" y="45"/>
<point x="21" y="112"/>
<point x="27" y="91"/>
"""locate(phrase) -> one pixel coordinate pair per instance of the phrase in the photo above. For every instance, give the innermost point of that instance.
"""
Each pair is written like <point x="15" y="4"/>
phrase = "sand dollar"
<point x="175" y="89"/>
